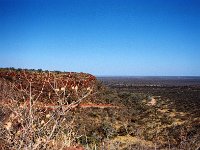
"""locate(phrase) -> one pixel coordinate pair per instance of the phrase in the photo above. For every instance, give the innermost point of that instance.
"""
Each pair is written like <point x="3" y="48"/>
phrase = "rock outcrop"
<point x="48" y="87"/>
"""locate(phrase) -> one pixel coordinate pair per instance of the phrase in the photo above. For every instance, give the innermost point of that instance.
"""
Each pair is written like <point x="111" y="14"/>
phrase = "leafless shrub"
<point x="30" y="124"/>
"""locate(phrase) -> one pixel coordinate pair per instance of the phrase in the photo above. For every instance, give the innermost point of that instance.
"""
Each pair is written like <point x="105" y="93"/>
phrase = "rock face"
<point x="35" y="106"/>
<point x="47" y="86"/>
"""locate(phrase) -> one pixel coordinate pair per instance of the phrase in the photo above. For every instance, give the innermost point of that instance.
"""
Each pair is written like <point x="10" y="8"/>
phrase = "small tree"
<point x="32" y="124"/>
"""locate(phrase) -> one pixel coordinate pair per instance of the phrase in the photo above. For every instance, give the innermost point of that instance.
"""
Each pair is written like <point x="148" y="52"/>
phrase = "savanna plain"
<point x="78" y="111"/>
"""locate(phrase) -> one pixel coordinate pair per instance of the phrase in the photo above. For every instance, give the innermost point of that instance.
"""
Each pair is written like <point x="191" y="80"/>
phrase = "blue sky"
<point x="102" y="37"/>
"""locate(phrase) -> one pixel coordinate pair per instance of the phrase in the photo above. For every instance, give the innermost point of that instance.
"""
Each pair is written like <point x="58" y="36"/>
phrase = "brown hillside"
<point x="47" y="85"/>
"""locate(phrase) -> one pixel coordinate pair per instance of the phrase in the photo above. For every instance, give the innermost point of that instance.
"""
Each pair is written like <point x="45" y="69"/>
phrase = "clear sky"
<point x="102" y="37"/>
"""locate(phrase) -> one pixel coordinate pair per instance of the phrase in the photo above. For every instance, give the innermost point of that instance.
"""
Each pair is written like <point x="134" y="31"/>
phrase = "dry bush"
<point x="28" y="123"/>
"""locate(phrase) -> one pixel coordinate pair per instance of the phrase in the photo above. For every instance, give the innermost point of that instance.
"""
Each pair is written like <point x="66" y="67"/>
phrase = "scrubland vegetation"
<point x="61" y="110"/>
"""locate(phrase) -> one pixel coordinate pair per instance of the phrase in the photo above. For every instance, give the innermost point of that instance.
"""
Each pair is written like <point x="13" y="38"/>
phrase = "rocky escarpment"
<point x="34" y="106"/>
<point x="46" y="87"/>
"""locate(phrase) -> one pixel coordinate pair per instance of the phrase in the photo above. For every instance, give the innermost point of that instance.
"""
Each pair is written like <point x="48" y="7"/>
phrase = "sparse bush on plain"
<point x="44" y="111"/>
